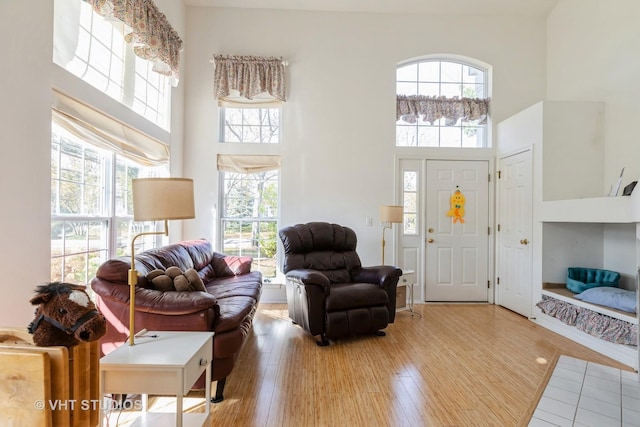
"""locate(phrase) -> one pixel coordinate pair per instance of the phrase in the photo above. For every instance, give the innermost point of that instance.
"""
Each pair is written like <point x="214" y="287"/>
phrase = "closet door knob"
<point x="524" y="242"/>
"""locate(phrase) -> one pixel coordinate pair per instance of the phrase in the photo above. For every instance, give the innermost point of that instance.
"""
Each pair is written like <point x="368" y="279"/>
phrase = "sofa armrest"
<point x="154" y="301"/>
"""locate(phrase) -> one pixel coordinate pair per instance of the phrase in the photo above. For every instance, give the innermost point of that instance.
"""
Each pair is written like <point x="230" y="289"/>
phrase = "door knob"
<point x="429" y="240"/>
<point x="524" y="242"/>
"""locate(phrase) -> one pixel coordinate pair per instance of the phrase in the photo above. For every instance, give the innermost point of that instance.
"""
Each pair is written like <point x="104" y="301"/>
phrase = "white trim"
<point x="623" y="354"/>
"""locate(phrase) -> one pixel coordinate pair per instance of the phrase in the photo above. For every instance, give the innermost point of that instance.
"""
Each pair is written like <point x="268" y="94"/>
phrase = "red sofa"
<point x="227" y="308"/>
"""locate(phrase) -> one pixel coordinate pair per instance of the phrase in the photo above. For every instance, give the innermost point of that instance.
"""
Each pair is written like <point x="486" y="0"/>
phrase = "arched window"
<point x="441" y="103"/>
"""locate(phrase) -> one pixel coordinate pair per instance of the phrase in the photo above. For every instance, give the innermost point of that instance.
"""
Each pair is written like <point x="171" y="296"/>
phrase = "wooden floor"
<point x="457" y="365"/>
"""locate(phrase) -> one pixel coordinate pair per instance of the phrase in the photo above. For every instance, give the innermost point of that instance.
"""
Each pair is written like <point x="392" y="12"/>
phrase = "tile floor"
<point x="581" y="394"/>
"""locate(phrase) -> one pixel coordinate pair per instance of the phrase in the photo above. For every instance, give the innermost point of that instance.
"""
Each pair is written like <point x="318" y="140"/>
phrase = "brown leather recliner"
<point x="329" y="293"/>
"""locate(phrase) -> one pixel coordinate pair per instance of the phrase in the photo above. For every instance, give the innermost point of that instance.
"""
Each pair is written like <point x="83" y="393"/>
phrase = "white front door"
<point x="457" y="230"/>
<point x="514" y="235"/>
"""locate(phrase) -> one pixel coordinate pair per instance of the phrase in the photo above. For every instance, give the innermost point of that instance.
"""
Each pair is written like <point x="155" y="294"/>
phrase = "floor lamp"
<point x="156" y="199"/>
<point x="388" y="216"/>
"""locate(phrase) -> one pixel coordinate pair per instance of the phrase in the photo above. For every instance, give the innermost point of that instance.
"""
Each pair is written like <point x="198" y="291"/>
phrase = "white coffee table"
<point x="160" y="363"/>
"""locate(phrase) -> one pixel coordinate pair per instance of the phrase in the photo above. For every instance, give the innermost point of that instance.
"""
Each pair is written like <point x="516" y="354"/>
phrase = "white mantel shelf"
<point x="620" y="209"/>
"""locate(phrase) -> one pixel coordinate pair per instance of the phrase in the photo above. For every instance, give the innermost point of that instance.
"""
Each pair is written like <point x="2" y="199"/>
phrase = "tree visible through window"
<point x="91" y="207"/>
<point x="441" y="80"/>
<point x="249" y="217"/>
<point x="250" y="125"/>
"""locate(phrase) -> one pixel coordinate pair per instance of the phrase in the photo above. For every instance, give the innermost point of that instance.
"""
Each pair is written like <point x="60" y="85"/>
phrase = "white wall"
<point x="27" y="76"/>
<point x="593" y="54"/>
<point x="339" y="122"/>
<point x="25" y="111"/>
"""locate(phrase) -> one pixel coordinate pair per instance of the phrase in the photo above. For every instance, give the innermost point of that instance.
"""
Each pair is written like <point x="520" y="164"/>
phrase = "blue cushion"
<point x="617" y="298"/>
<point x="580" y="279"/>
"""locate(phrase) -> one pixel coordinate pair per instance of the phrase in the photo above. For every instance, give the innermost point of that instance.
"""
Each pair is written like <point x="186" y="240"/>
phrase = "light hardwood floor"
<point x="457" y="365"/>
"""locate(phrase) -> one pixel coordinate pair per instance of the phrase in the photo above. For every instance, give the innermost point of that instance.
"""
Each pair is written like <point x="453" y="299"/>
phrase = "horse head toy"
<point x="65" y="316"/>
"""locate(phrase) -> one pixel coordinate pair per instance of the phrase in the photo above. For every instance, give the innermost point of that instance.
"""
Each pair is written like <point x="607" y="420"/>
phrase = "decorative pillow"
<point x="181" y="283"/>
<point x="194" y="280"/>
<point x="160" y="280"/>
<point x="617" y="298"/>
<point x="173" y="279"/>
<point x="231" y="265"/>
<point x="580" y="279"/>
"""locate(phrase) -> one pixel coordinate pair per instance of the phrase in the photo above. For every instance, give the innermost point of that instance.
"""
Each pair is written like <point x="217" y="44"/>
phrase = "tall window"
<point x="410" y="201"/>
<point x="432" y="91"/>
<point x="94" y="50"/>
<point x="249" y="217"/>
<point x="91" y="208"/>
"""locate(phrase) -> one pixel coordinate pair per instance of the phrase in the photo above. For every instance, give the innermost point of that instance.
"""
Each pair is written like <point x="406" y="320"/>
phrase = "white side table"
<point x="162" y="363"/>
<point x="405" y="286"/>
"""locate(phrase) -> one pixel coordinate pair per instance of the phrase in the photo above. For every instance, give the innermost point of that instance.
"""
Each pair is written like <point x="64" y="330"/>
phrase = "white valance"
<point x="242" y="163"/>
<point x="103" y="131"/>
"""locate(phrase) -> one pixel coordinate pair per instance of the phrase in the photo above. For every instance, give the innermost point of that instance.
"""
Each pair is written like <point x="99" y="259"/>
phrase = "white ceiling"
<point x="457" y="7"/>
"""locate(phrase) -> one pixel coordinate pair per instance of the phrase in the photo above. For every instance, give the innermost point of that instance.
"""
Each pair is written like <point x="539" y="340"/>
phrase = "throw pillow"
<point x="617" y="298"/>
<point x="160" y="280"/>
<point x="194" y="279"/>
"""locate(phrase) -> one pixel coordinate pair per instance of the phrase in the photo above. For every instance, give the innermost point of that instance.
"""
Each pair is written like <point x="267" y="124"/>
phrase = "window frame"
<point x="223" y="122"/>
<point x="127" y="82"/>
<point x="108" y="215"/>
<point x="223" y="218"/>
<point x="426" y="126"/>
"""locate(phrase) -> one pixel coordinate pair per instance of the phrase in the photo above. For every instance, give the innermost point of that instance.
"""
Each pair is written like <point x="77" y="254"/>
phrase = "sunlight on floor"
<point x="281" y="314"/>
<point x="159" y="404"/>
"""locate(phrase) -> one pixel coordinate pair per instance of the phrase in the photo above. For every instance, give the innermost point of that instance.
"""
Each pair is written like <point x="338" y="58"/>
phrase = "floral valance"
<point x="410" y="108"/>
<point x="249" y="76"/>
<point x="149" y="30"/>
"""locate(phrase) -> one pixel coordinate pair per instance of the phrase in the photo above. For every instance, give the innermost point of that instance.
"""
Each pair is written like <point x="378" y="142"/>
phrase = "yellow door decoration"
<point x="457" y="206"/>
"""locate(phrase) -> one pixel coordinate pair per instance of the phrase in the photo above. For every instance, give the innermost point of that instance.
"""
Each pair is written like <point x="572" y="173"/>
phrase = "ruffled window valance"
<point x="149" y="30"/>
<point x="410" y="108"/>
<point x="238" y="78"/>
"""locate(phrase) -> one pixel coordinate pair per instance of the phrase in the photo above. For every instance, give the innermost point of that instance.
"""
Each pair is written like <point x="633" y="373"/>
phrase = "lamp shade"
<point x="391" y="213"/>
<point x="157" y="199"/>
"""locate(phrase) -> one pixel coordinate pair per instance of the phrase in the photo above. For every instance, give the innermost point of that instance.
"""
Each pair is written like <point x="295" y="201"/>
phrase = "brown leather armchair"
<point x="329" y="293"/>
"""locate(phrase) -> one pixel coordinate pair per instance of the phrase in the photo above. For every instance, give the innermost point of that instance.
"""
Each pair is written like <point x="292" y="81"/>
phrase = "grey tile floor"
<point x="585" y="394"/>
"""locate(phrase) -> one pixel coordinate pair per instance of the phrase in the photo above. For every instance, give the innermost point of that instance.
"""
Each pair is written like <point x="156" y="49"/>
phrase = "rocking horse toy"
<point x="65" y="316"/>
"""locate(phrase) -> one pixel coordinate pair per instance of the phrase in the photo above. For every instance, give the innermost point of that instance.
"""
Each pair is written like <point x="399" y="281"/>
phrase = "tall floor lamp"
<point x="388" y="216"/>
<point x="156" y="199"/>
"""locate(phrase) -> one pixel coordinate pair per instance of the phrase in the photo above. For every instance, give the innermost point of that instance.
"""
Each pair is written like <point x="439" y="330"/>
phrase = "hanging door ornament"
<point x="457" y="201"/>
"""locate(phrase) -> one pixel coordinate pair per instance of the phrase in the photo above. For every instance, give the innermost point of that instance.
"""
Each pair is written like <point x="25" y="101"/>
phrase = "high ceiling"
<point x="458" y="7"/>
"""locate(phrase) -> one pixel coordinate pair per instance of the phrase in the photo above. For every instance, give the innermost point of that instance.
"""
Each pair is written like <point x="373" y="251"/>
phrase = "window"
<point x="441" y="85"/>
<point x="91" y="209"/>
<point x="410" y="201"/>
<point x="102" y="58"/>
<point x="249" y="217"/>
<point x="250" y="125"/>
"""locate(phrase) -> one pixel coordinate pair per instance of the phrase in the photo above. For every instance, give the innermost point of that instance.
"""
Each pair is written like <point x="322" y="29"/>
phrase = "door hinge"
<point x="498" y="281"/>
<point x="489" y="177"/>
<point x="488" y="284"/>
<point x="498" y="227"/>
<point x="489" y="231"/>
<point x="499" y="174"/>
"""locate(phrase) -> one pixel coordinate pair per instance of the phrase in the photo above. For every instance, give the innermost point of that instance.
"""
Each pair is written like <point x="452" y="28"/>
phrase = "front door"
<point x="457" y="223"/>
<point x="515" y="222"/>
